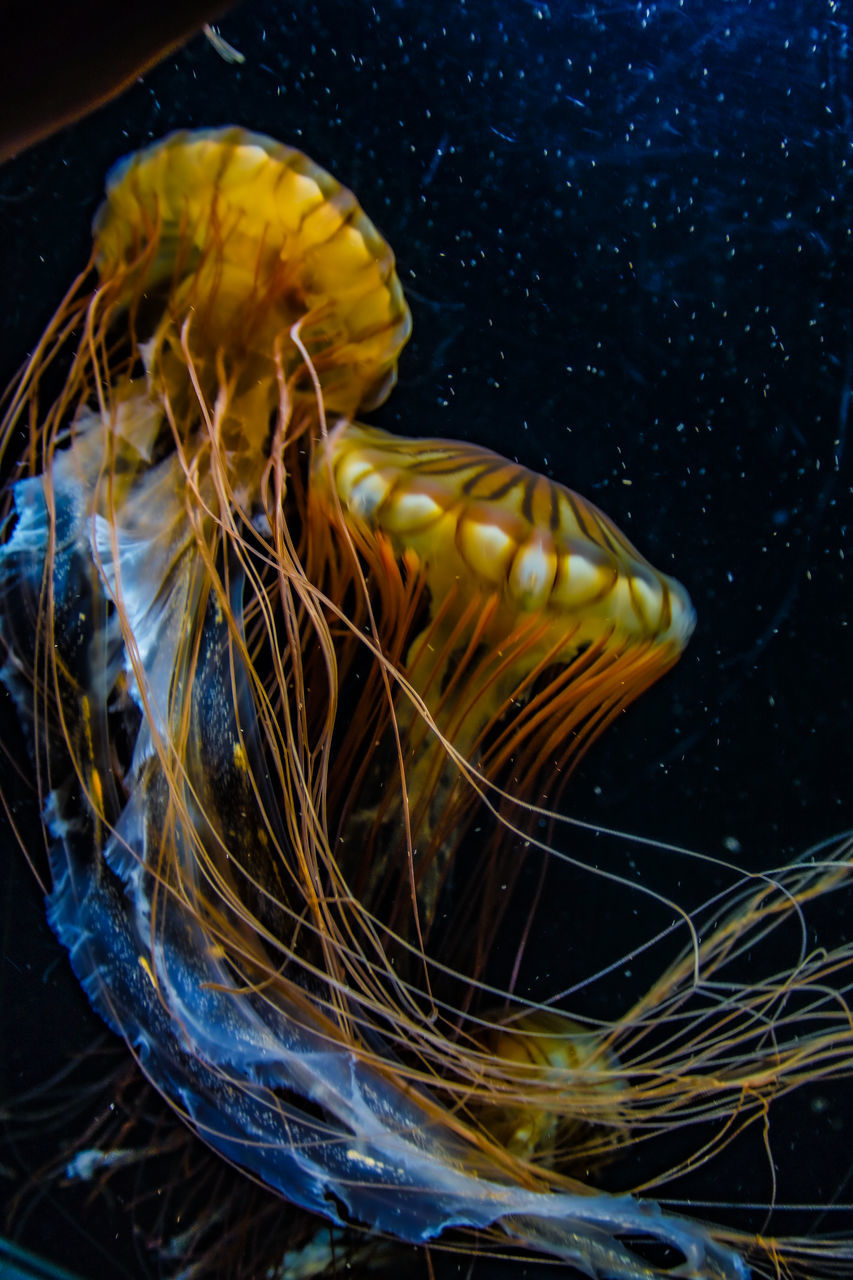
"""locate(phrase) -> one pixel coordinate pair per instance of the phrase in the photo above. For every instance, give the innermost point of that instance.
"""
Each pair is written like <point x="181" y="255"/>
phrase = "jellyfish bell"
<point x="271" y="663"/>
<point x="549" y="575"/>
<point x="571" y="1057"/>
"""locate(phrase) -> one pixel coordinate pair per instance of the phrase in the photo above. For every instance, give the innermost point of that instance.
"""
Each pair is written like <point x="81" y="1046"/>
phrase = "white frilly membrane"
<point x="271" y="667"/>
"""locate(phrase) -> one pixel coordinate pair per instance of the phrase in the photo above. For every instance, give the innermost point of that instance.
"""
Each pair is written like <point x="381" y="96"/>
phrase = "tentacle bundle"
<point x="270" y="672"/>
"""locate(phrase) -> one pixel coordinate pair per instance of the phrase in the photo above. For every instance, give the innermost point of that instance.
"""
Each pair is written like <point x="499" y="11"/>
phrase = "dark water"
<point x="625" y="235"/>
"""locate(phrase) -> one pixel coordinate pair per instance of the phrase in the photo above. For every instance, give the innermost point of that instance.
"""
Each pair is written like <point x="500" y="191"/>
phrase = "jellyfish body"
<point x="271" y="662"/>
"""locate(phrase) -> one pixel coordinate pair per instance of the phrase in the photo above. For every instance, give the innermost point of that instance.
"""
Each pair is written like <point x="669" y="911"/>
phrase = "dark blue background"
<point x="625" y="234"/>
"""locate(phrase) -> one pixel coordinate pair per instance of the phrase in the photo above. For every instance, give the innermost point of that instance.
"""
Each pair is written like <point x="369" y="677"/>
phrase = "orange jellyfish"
<point x="301" y="698"/>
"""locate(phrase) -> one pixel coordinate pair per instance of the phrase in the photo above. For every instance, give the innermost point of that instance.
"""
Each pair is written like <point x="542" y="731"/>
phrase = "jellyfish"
<point x="302" y="698"/>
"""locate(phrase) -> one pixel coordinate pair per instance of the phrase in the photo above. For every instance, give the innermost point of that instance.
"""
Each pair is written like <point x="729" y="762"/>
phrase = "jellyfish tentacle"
<point x="143" y="950"/>
<point x="270" y="670"/>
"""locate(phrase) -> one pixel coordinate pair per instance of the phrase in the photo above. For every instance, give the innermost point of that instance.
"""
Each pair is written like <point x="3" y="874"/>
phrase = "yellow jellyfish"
<point x="536" y="602"/>
<point x="301" y="696"/>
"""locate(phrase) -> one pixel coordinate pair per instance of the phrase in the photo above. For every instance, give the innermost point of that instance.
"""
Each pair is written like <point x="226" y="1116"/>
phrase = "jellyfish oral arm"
<point x="364" y="1149"/>
<point x="380" y="1157"/>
